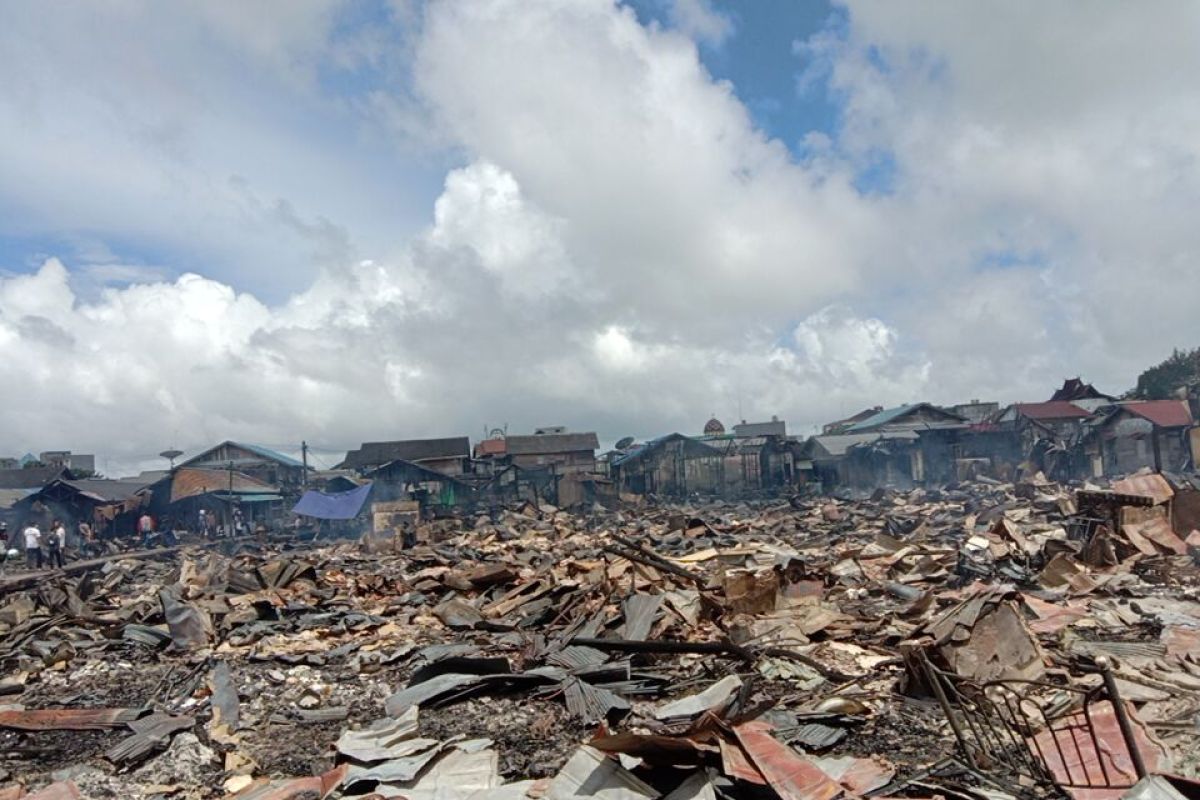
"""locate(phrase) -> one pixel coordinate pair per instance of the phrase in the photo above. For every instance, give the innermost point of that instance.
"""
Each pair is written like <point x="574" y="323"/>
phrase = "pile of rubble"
<point x="984" y="641"/>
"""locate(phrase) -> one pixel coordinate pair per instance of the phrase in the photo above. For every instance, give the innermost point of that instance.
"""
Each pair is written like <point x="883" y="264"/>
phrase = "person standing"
<point x="33" y="546"/>
<point x="4" y="545"/>
<point x="56" y="540"/>
<point x="87" y="540"/>
<point x="146" y="528"/>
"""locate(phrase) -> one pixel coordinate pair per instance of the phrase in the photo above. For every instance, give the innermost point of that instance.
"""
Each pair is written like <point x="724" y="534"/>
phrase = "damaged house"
<point x="449" y="455"/>
<point x="551" y="464"/>
<point x="758" y="456"/>
<point x="673" y="465"/>
<point x="111" y="507"/>
<point x="1126" y="437"/>
<point x="914" y="444"/>
<point x="435" y="492"/>
<point x="1045" y="435"/>
<point x="180" y="496"/>
<point x="258" y="462"/>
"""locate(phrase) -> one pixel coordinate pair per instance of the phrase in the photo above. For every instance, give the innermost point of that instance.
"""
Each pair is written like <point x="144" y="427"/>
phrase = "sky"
<point x="344" y="221"/>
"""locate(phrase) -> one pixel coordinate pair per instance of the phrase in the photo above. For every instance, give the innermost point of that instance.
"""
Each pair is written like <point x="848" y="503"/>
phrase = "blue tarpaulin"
<point x="341" y="505"/>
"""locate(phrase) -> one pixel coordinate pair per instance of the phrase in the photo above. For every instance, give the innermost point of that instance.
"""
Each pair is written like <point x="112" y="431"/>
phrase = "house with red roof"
<point x="1128" y="436"/>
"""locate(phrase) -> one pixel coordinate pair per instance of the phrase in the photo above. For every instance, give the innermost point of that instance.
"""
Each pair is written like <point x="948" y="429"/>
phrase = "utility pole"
<point x="304" y="459"/>
<point x="229" y="504"/>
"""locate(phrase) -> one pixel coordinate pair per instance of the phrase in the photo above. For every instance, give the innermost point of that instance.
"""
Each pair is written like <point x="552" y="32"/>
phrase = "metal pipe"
<point x="1110" y="685"/>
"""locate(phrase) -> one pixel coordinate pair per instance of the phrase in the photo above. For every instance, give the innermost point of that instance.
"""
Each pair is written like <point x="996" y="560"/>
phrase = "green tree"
<point x="1160" y="381"/>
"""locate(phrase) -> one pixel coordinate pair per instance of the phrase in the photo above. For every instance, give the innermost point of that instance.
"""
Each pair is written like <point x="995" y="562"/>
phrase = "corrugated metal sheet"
<point x="1153" y="485"/>
<point x="374" y="454"/>
<point x="1163" y="413"/>
<point x="490" y="447"/>
<point x="68" y="719"/>
<point x="1052" y="410"/>
<point x="193" y="482"/>
<point x="551" y="443"/>
<point x="258" y="450"/>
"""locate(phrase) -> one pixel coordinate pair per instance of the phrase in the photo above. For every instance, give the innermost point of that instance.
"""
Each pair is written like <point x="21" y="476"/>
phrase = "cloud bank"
<point x="614" y="243"/>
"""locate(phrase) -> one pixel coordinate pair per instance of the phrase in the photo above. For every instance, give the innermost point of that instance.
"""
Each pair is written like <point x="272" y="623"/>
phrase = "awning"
<point x="249" y="498"/>
<point x="339" y="505"/>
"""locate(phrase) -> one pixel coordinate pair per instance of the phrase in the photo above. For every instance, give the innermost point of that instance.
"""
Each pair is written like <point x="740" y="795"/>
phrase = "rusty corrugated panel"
<point x="1052" y="410"/>
<point x="191" y="482"/>
<point x="14" y="792"/>
<point x="68" y="719"/>
<point x="1163" y="413"/>
<point x="1070" y="755"/>
<point x="736" y="764"/>
<point x="1154" y="486"/>
<point x="316" y="787"/>
<point x="792" y="776"/>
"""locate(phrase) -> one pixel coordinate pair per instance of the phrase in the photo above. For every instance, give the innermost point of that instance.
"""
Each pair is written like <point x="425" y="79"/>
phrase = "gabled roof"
<point x="551" y="443"/>
<point x="838" y="444"/>
<point x="1163" y="413"/>
<point x="100" y="490"/>
<point x="31" y="478"/>
<point x="374" y="454"/>
<point x="891" y="416"/>
<point x="1076" y="389"/>
<point x="258" y="450"/>
<point x="641" y="451"/>
<point x="107" y="490"/>
<point x="410" y="468"/>
<point x="1052" y="410"/>
<point x="866" y="413"/>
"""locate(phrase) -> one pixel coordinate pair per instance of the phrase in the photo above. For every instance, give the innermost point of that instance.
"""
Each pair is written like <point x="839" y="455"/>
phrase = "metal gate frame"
<point x="997" y="725"/>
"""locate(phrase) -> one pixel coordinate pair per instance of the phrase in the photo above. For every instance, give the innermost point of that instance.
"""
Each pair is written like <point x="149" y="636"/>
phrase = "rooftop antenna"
<point x="171" y="455"/>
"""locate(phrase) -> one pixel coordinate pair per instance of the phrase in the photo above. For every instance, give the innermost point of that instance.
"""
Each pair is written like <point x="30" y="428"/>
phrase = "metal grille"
<point x="1048" y="733"/>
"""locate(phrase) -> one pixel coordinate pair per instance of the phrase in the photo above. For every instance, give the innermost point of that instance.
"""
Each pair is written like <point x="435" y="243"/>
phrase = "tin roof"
<point x="193" y="482"/>
<point x="258" y="450"/>
<point x="28" y="478"/>
<point x="375" y="454"/>
<point x="1163" y="413"/>
<point x="890" y="415"/>
<point x="540" y="444"/>
<point x="1051" y="410"/>
<point x="838" y="444"/>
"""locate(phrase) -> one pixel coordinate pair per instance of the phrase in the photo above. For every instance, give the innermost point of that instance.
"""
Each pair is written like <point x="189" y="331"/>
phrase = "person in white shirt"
<point x="56" y="540"/>
<point x="33" y="546"/>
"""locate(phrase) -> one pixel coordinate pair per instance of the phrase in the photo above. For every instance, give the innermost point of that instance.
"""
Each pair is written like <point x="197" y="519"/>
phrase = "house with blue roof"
<point x="909" y="417"/>
<point x="261" y="463"/>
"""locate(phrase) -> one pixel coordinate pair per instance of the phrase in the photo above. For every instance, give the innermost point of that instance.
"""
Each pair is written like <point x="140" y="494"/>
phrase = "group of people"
<point x="45" y="545"/>
<point x="44" y="548"/>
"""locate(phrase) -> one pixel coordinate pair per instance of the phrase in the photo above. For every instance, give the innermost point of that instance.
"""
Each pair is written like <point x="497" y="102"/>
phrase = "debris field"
<point x="931" y="643"/>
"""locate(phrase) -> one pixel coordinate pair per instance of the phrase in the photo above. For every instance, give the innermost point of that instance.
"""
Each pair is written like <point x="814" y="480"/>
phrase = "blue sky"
<point x="389" y="184"/>
<point x="759" y="58"/>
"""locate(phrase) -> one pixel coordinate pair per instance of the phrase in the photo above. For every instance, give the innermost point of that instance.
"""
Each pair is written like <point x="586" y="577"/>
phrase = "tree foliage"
<point x="1161" y="381"/>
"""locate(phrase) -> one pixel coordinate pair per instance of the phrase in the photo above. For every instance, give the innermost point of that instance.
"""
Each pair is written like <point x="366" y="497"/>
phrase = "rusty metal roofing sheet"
<point x="1163" y="413"/>
<point x="68" y="719"/>
<point x="1151" y="485"/>
<point x="792" y="776"/>
<point x="193" y="482"/>
<point x="1051" y="410"/>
